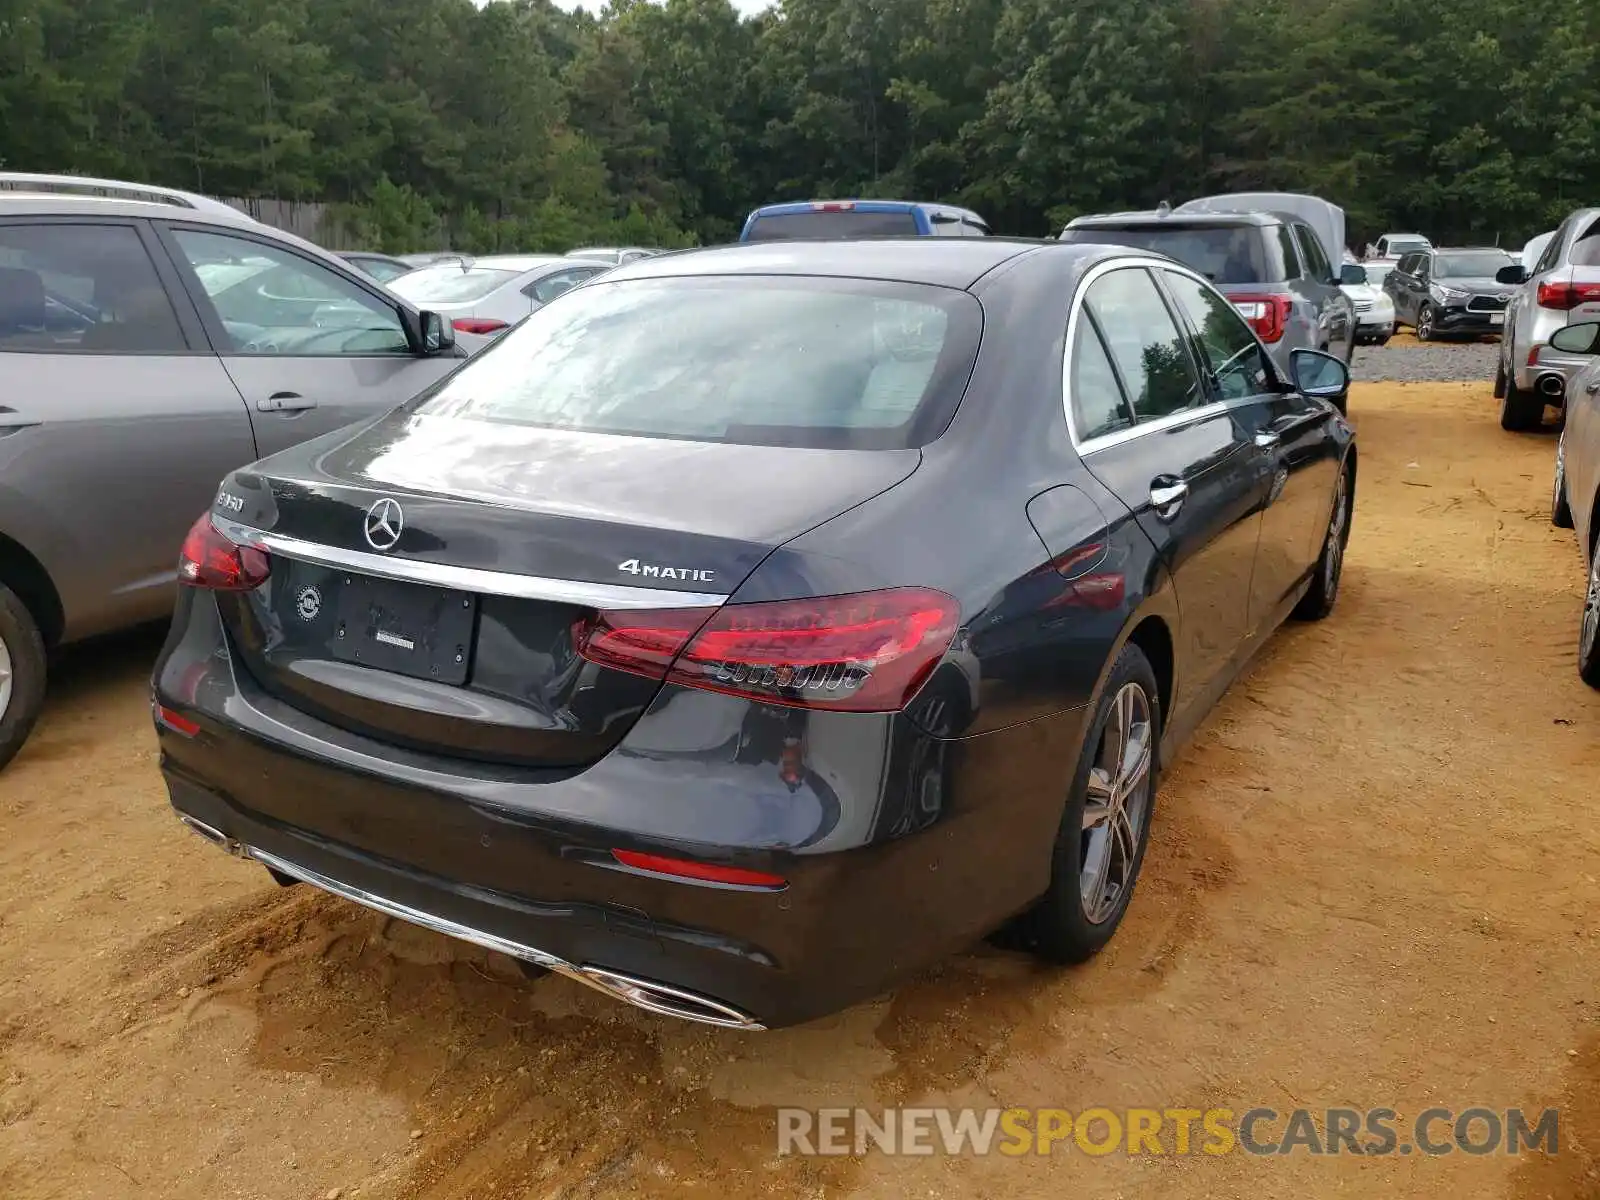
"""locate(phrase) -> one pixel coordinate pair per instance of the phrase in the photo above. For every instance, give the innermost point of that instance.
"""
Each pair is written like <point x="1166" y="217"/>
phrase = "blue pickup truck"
<point x="815" y="219"/>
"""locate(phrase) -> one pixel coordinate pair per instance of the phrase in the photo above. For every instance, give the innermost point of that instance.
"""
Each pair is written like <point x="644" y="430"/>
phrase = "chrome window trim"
<point x="468" y="579"/>
<point x="1088" y="446"/>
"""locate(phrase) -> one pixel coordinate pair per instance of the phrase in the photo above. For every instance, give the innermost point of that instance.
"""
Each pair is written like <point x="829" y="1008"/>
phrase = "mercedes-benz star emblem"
<point x="384" y="523"/>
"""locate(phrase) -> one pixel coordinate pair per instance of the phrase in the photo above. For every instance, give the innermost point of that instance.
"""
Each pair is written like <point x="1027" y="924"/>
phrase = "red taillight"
<point x="210" y="560"/>
<point x="1558" y="295"/>
<point x="683" y="868"/>
<point x="1268" y="313"/>
<point x="1567" y="296"/>
<point x="176" y="722"/>
<point x="867" y="652"/>
<point x="477" y="324"/>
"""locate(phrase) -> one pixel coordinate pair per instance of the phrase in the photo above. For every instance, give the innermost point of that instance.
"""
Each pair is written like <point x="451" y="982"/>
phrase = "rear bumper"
<point x="898" y="848"/>
<point x="1548" y="362"/>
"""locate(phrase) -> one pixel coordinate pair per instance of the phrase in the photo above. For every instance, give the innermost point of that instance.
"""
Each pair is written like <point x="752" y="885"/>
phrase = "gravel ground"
<point x="1406" y="360"/>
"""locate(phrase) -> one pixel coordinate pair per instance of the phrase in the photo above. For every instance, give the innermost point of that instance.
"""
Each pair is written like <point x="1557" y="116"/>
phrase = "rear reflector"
<point x="176" y="722"/>
<point x="865" y="652"/>
<point x="211" y="561"/>
<point x="683" y="868"/>
<point x="477" y="324"/>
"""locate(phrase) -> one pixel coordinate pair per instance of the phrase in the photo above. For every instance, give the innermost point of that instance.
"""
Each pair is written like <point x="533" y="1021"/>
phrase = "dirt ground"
<point x="1372" y="882"/>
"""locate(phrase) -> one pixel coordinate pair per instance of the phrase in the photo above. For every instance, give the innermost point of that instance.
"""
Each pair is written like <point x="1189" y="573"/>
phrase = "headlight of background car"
<point x="1441" y="292"/>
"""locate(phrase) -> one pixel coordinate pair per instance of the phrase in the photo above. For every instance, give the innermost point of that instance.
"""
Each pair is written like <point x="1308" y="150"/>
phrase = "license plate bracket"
<point x="407" y="628"/>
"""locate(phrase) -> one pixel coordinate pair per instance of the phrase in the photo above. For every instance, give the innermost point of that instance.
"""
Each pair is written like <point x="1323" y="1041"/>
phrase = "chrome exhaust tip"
<point x="215" y="836"/>
<point x="667" y="1001"/>
<point x="1551" y="387"/>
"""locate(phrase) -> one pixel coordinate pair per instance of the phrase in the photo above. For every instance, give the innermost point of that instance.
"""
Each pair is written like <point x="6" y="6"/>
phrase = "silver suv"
<point x="148" y="347"/>
<point x="1563" y="288"/>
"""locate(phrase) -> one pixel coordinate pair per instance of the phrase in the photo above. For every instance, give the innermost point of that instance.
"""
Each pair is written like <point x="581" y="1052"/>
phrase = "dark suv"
<point x="1445" y="291"/>
<point x="1273" y="268"/>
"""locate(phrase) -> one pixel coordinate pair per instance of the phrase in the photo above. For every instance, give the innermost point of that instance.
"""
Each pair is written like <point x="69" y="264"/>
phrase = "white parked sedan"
<point x="486" y="295"/>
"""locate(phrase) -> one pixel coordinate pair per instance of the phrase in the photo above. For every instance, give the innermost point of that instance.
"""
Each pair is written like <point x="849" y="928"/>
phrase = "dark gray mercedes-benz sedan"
<point x="754" y="626"/>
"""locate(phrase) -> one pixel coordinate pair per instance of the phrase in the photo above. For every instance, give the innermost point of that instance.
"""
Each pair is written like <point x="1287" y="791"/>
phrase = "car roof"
<point x="499" y="262"/>
<point x="1175" y="218"/>
<point x="790" y="207"/>
<point x="51" y="204"/>
<point x="942" y="262"/>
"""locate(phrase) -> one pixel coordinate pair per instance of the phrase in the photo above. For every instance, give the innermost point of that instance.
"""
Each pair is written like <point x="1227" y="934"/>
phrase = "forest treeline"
<point x="518" y="125"/>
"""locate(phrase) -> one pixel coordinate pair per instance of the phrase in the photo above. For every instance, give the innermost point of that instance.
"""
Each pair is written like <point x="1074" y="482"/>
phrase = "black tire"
<point x="1319" y="600"/>
<point x="1500" y="379"/>
<point x="1424" y="325"/>
<point x="1060" y="929"/>
<point x="1560" y="510"/>
<point x="1520" y="411"/>
<point x="1382" y="341"/>
<point x="22" y="665"/>
<point x="1589" y="626"/>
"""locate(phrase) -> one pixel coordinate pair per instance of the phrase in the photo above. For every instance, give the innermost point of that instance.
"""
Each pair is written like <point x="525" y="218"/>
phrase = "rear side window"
<point x="1317" y="266"/>
<point x="1586" y="250"/>
<point x="1222" y="253"/>
<point x="1098" y="404"/>
<point x="1145" y="343"/>
<point x="755" y="360"/>
<point x="1291" y="254"/>
<point x="848" y="223"/>
<point x="82" y="289"/>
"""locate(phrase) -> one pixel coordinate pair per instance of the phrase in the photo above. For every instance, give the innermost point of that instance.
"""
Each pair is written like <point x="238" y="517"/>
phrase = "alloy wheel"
<point x="1117" y="805"/>
<point x="1425" y="323"/>
<point x="5" y="677"/>
<point x="1333" y="552"/>
<point x="1559" y="488"/>
<point x="1591" y="612"/>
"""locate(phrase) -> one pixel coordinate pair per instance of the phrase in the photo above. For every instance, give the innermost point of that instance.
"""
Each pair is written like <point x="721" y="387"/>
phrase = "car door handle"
<point x="285" y="402"/>
<point x="1167" y="496"/>
<point x="1267" y="440"/>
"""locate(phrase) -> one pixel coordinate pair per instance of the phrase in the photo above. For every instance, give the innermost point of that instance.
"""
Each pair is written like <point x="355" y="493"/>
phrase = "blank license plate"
<point x="408" y="628"/>
<point x="1497" y="318"/>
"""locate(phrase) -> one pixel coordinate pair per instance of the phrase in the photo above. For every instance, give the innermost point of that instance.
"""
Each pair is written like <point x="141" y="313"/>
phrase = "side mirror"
<point x="1582" y="338"/>
<point x="1515" y="273"/>
<point x="1352" y="273"/>
<point x="437" y="333"/>
<point x="1321" y="375"/>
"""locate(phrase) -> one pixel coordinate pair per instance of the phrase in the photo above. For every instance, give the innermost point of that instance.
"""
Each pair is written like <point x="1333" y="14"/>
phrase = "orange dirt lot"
<point x="1372" y="882"/>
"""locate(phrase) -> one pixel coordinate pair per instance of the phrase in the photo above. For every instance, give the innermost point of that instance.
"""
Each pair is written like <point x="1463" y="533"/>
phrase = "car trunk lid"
<point x="429" y="575"/>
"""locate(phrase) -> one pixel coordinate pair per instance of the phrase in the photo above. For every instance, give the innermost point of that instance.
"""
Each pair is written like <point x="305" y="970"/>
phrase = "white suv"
<point x="1563" y="288"/>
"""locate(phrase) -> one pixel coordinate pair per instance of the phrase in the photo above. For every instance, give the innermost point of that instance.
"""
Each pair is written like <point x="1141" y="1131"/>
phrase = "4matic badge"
<point x="657" y="571"/>
<point x="308" y="603"/>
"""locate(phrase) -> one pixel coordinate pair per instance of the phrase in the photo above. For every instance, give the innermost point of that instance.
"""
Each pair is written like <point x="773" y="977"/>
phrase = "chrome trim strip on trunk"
<point x="641" y="993"/>
<point x="468" y="579"/>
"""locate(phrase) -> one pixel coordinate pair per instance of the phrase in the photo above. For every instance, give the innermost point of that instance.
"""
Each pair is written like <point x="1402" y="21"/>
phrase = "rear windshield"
<point x="450" y="284"/>
<point x="1480" y="265"/>
<point x="1222" y="253"/>
<point x="1406" y="245"/>
<point x="769" y="361"/>
<point x="846" y="224"/>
